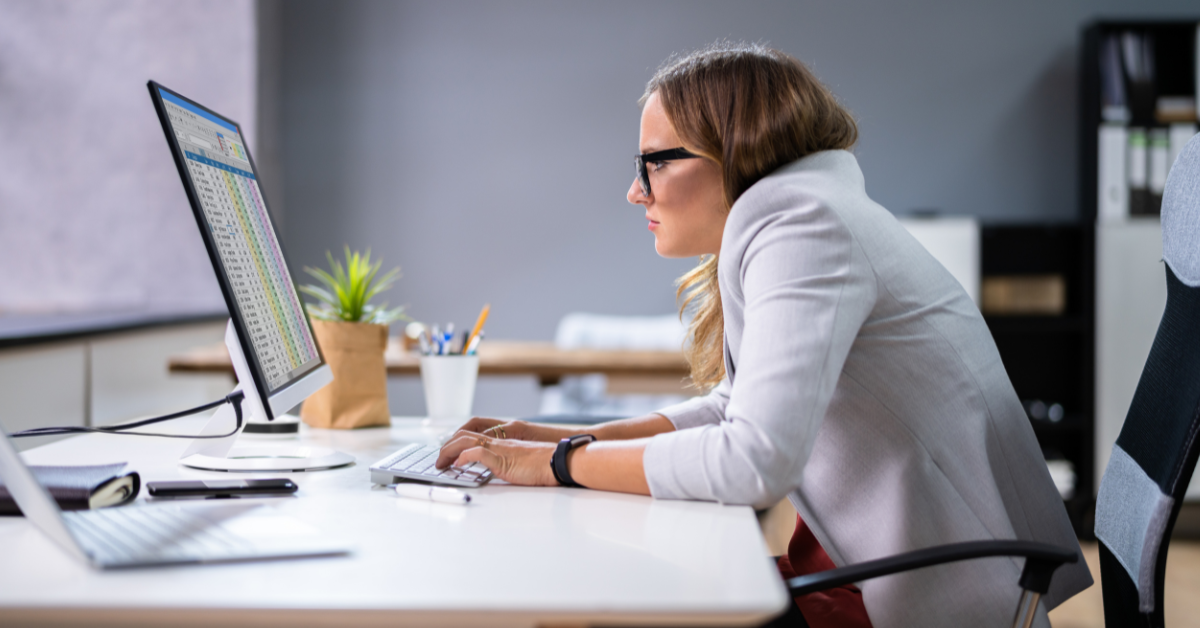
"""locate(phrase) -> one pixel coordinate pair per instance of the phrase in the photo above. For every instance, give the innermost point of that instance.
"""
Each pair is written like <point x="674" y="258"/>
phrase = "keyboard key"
<point x="395" y="458"/>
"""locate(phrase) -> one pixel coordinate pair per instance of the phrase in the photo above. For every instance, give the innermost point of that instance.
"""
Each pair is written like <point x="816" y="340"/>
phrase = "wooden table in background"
<point x="650" y="372"/>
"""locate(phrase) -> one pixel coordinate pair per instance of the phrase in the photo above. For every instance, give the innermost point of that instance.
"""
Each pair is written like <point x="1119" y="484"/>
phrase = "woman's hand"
<point x="514" y="461"/>
<point x="516" y="430"/>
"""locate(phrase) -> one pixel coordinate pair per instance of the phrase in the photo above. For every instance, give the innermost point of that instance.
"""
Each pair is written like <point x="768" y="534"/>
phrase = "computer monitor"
<point x="270" y="339"/>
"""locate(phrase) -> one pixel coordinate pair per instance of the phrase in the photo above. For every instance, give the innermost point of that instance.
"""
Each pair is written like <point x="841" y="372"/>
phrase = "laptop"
<point x="150" y="535"/>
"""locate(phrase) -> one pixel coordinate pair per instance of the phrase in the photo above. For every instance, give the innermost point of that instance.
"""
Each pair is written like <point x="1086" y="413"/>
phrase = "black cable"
<point x="234" y="398"/>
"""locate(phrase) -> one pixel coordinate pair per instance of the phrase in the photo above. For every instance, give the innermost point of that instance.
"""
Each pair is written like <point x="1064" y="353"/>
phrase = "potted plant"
<point x="352" y="334"/>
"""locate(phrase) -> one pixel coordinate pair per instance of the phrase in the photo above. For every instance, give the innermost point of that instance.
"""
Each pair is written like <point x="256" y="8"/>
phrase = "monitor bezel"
<point x="210" y="244"/>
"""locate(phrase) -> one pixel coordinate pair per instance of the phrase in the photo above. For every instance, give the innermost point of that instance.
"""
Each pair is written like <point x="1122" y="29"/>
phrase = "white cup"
<point x="449" y="382"/>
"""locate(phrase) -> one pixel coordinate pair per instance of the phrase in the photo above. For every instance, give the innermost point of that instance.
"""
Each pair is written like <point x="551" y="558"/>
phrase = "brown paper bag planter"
<point x="357" y="397"/>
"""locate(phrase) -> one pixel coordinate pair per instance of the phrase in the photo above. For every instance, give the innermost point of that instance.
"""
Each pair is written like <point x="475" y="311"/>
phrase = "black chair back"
<point x="1155" y="454"/>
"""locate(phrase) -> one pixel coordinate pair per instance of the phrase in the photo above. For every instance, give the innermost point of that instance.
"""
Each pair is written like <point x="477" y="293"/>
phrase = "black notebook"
<point x="81" y="487"/>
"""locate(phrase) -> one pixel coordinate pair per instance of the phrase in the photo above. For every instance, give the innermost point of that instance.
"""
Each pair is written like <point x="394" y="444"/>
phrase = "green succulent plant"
<point x="348" y="290"/>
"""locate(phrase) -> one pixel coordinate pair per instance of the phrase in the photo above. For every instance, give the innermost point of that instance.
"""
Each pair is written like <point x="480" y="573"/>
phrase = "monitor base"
<point x="270" y="458"/>
<point x="285" y="426"/>
<point x="218" y="453"/>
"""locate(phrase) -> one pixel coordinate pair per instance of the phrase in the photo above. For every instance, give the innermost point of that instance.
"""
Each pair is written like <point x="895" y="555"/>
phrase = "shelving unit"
<point x="1175" y="75"/>
<point x="1129" y="284"/>
<point x="1051" y="358"/>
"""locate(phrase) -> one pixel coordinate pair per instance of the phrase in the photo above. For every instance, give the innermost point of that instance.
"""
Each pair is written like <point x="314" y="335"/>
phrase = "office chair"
<point x="1155" y="454"/>
<point x="1041" y="560"/>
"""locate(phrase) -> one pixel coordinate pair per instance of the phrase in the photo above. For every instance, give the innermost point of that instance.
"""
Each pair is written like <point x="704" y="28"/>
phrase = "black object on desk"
<point x="81" y="487"/>
<point x="222" y="489"/>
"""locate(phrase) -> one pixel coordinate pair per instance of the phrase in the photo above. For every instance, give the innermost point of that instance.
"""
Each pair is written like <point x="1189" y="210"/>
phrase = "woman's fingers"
<point x="523" y="430"/>
<point x="495" y="428"/>
<point x="486" y="457"/>
<point x="459" y="443"/>
<point x="464" y="433"/>
<point x="516" y="462"/>
<point x="514" y="430"/>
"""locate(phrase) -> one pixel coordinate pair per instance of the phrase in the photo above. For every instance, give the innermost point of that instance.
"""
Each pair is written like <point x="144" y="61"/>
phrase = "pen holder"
<point x="449" y="382"/>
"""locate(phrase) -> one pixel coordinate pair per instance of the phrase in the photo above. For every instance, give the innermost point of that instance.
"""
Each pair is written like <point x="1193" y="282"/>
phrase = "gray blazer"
<point x="863" y="384"/>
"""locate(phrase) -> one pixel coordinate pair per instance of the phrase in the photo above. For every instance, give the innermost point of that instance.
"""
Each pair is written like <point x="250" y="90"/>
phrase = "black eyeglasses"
<point x="640" y="161"/>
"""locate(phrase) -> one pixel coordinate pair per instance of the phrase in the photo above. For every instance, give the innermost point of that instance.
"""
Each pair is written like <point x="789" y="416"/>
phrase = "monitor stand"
<point x="219" y="454"/>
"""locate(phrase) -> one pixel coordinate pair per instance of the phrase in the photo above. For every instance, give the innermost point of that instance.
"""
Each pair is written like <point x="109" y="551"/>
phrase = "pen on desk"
<point x="433" y="493"/>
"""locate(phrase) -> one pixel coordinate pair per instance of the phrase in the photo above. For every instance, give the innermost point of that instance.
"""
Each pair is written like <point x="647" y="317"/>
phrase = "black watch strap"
<point x="558" y="463"/>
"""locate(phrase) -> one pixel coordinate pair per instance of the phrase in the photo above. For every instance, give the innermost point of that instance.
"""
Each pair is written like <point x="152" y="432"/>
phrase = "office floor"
<point x="1085" y="610"/>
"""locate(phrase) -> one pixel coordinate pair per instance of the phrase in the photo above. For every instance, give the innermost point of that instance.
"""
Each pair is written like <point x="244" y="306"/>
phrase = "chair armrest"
<point x="1041" y="561"/>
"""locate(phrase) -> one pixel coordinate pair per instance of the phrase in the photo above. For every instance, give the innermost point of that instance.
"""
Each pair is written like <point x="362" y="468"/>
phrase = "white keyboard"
<point x="416" y="462"/>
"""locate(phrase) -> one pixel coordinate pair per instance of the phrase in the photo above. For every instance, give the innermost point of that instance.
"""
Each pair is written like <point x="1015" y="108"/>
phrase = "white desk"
<point x="515" y="557"/>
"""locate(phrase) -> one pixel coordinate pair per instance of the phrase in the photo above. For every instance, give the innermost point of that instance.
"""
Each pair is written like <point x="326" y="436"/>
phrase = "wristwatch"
<point x="558" y="463"/>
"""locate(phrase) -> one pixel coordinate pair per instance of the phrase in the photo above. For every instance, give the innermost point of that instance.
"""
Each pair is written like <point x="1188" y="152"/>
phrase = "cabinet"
<point x="97" y="377"/>
<point x="1050" y="357"/>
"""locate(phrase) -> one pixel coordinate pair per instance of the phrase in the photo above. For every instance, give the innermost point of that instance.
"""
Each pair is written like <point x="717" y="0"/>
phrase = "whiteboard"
<point x="93" y="216"/>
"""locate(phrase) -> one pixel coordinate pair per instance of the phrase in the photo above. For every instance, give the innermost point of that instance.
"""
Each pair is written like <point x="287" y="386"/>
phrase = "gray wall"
<point x="486" y="147"/>
<point x="92" y="213"/>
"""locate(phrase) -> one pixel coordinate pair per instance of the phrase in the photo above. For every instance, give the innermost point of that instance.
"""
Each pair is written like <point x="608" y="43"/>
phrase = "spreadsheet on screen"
<point x="246" y="243"/>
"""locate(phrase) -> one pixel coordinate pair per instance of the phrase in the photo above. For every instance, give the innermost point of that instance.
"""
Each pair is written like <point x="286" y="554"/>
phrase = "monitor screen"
<point x="248" y="259"/>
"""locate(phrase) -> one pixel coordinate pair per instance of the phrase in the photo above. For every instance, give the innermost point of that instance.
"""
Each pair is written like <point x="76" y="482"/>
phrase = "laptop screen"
<point x="250" y="264"/>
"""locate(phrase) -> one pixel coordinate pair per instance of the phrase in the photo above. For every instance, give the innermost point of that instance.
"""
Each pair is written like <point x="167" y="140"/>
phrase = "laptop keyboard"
<point x="416" y="462"/>
<point x="152" y="534"/>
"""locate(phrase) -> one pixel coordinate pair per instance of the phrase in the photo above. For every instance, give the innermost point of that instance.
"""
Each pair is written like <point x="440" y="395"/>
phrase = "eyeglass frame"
<point x="640" y="161"/>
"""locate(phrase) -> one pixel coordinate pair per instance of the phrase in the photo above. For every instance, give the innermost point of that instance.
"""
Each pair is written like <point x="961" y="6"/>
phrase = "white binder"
<point x="1113" y="194"/>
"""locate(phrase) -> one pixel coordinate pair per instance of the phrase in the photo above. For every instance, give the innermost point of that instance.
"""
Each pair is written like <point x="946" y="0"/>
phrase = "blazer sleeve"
<point x="807" y="289"/>
<point x="706" y="410"/>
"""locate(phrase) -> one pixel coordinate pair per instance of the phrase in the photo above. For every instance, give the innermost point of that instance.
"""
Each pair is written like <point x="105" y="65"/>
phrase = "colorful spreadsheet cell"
<point x="247" y="245"/>
<point x="250" y="257"/>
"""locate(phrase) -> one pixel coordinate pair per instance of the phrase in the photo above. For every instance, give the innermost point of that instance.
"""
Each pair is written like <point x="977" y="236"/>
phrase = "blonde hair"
<point x="750" y="109"/>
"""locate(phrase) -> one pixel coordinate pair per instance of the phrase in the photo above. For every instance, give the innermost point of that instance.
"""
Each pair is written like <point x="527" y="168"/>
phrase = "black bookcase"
<point x="1175" y="74"/>
<point x="1052" y="358"/>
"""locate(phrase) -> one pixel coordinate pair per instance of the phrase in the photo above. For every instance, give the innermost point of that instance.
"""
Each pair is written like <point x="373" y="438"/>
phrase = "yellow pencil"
<point x="487" y="307"/>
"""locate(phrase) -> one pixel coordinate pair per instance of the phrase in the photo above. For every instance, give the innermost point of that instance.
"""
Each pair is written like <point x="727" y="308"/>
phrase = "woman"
<point x="852" y="373"/>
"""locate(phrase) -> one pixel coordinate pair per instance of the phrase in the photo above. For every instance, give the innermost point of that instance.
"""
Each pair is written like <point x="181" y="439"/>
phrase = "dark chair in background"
<point x="1155" y="455"/>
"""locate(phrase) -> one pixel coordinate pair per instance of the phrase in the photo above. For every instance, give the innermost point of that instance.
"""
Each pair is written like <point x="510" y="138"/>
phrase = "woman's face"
<point x="686" y="206"/>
